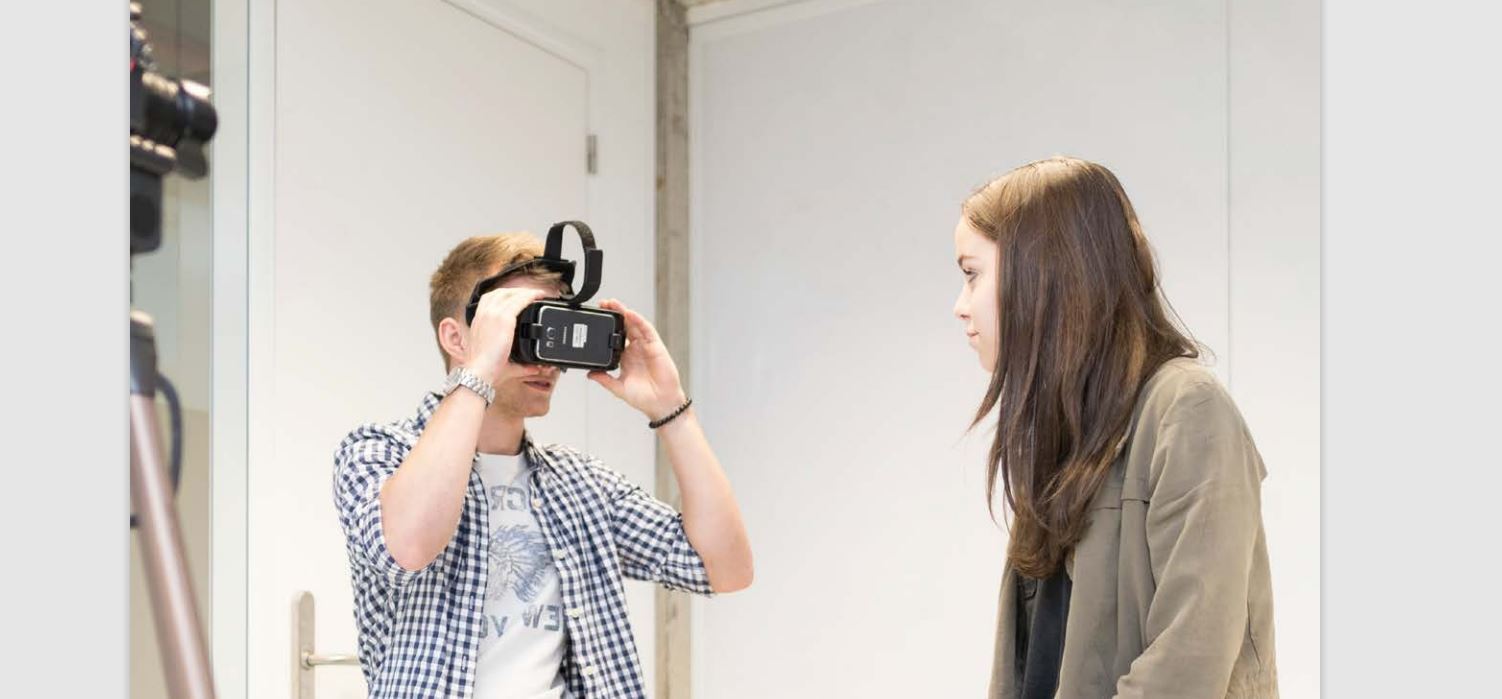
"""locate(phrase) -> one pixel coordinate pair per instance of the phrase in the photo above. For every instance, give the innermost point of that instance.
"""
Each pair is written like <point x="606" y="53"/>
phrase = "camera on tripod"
<point x="170" y="121"/>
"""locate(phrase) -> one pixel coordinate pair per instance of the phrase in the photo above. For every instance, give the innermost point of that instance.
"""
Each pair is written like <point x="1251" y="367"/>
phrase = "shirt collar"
<point x="534" y="453"/>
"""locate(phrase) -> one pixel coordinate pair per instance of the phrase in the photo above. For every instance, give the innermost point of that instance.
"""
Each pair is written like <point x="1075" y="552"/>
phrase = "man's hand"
<point x="711" y="518"/>
<point x="494" y="328"/>
<point x="648" y="378"/>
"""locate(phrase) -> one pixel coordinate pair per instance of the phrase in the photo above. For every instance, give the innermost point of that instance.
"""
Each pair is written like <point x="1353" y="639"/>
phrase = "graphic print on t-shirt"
<point x="522" y="593"/>
<point x="518" y="562"/>
<point x="523" y="638"/>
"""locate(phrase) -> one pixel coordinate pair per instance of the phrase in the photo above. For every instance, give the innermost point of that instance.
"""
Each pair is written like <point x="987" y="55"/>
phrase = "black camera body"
<point x="170" y="122"/>
<point x="562" y="332"/>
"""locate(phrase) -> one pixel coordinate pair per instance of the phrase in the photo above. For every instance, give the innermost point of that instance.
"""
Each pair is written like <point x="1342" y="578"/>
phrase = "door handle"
<point x="304" y="658"/>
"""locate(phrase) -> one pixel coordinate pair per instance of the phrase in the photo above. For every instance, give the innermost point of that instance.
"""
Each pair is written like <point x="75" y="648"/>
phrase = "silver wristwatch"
<point x="466" y="378"/>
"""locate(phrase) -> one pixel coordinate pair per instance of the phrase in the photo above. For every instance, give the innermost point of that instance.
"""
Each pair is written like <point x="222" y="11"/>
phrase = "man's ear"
<point x="454" y="339"/>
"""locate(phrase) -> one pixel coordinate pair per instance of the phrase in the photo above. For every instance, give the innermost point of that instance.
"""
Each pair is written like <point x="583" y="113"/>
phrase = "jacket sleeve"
<point x="649" y="536"/>
<point x="1203" y="519"/>
<point x="361" y="466"/>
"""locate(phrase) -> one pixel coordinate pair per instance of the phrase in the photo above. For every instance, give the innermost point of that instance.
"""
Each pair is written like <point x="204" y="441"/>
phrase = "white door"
<point x="401" y="127"/>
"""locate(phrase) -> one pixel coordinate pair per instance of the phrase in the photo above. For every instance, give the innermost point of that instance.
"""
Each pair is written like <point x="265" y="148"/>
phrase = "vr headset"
<point x="562" y="332"/>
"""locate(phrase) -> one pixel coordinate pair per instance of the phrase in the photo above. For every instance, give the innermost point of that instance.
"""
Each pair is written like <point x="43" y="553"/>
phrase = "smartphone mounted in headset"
<point x="562" y="332"/>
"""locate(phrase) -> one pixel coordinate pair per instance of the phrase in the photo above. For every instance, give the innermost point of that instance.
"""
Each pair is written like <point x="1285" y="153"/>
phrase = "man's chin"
<point x="526" y="406"/>
<point x="539" y="407"/>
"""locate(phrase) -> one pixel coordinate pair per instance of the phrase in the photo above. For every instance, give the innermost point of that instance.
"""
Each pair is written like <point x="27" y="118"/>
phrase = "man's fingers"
<point x="508" y="293"/>
<point x="515" y="304"/>
<point x="643" y="327"/>
<point x="510" y="301"/>
<point x="633" y="331"/>
<point x="637" y="326"/>
<point x="610" y="383"/>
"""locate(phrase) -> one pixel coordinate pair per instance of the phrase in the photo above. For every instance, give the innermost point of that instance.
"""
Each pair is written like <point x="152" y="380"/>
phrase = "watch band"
<point x="461" y="376"/>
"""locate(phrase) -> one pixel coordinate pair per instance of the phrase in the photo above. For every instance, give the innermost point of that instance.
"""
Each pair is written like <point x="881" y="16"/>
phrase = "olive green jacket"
<point x="1171" y="592"/>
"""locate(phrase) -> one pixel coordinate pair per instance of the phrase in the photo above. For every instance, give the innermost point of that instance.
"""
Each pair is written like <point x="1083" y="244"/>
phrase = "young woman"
<point x="1137" y="565"/>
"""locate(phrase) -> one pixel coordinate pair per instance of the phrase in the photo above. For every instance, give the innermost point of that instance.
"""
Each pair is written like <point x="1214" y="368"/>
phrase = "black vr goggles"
<point x="562" y="332"/>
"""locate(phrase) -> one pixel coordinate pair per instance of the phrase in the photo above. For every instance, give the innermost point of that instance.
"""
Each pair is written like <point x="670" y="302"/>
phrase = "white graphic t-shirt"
<point x="521" y="648"/>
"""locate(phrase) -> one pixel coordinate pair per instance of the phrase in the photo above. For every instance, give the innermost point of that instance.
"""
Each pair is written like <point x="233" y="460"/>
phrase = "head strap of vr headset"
<point x="594" y="258"/>
<point x="552" y="260"/>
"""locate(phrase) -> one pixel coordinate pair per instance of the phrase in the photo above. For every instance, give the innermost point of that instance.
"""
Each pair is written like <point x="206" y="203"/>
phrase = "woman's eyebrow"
<point x="961" y="259"/>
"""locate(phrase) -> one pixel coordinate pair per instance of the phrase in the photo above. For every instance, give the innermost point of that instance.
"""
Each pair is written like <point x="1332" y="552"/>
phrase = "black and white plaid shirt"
<point x="420" y="630"/>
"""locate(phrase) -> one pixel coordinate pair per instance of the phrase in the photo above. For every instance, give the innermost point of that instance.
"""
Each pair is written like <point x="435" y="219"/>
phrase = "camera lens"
<point x="176" y="110"/>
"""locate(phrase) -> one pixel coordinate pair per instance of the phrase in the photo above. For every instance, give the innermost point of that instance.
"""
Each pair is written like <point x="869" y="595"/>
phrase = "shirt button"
<point x="537" y="502"/>
<point x="559" y="555"/>
<point x="575" y="613"/>
<point x="589" y="671"/>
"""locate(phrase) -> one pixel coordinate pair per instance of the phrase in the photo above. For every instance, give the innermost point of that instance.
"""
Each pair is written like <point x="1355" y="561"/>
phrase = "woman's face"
<point x="976" y="306"/>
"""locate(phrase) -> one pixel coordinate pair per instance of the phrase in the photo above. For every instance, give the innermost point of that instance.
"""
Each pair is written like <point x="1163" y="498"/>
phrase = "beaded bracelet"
<point x="659" y="423"/>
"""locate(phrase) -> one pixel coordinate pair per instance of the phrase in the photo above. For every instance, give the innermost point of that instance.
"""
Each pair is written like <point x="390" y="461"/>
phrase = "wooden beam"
<point x="674" y="654"/>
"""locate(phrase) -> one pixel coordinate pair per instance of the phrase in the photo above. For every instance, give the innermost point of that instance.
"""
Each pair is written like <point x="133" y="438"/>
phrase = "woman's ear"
<point x="454" y="340"/>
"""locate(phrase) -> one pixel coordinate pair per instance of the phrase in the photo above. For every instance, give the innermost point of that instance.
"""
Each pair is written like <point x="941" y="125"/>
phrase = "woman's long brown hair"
<point x="1082" y="325"/>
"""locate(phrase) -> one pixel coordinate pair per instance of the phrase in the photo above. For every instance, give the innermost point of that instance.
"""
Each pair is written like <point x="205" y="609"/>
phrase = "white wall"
<point x="833" y="143"/>
<point x="1275" y="281"/>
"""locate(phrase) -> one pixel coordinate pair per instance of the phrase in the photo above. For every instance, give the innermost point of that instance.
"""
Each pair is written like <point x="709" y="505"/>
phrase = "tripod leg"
<point x="185" y="658"/>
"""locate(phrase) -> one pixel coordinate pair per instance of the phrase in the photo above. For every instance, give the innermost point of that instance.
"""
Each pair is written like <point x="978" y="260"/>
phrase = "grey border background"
<point x="1410" y="342"/>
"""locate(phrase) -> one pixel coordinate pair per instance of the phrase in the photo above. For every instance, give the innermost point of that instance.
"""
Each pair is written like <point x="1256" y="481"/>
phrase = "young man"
<point x="485" y="565"/>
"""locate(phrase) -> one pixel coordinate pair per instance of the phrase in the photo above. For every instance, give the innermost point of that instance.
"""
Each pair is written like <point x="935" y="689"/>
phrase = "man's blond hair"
<point x="472" y="260"/>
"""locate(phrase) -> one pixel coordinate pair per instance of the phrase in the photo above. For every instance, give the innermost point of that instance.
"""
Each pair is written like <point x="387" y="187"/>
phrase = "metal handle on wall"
<point x="310" y="661"/>
<point x="304" y="659"/>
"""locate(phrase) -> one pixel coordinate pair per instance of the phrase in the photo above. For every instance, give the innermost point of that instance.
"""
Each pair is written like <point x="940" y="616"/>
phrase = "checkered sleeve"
<point x="650" y="537"/>
<point x="362" y="464"/>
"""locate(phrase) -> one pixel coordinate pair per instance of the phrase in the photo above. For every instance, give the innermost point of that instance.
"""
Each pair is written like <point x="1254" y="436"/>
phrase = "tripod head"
<point x="170" y="122"/>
